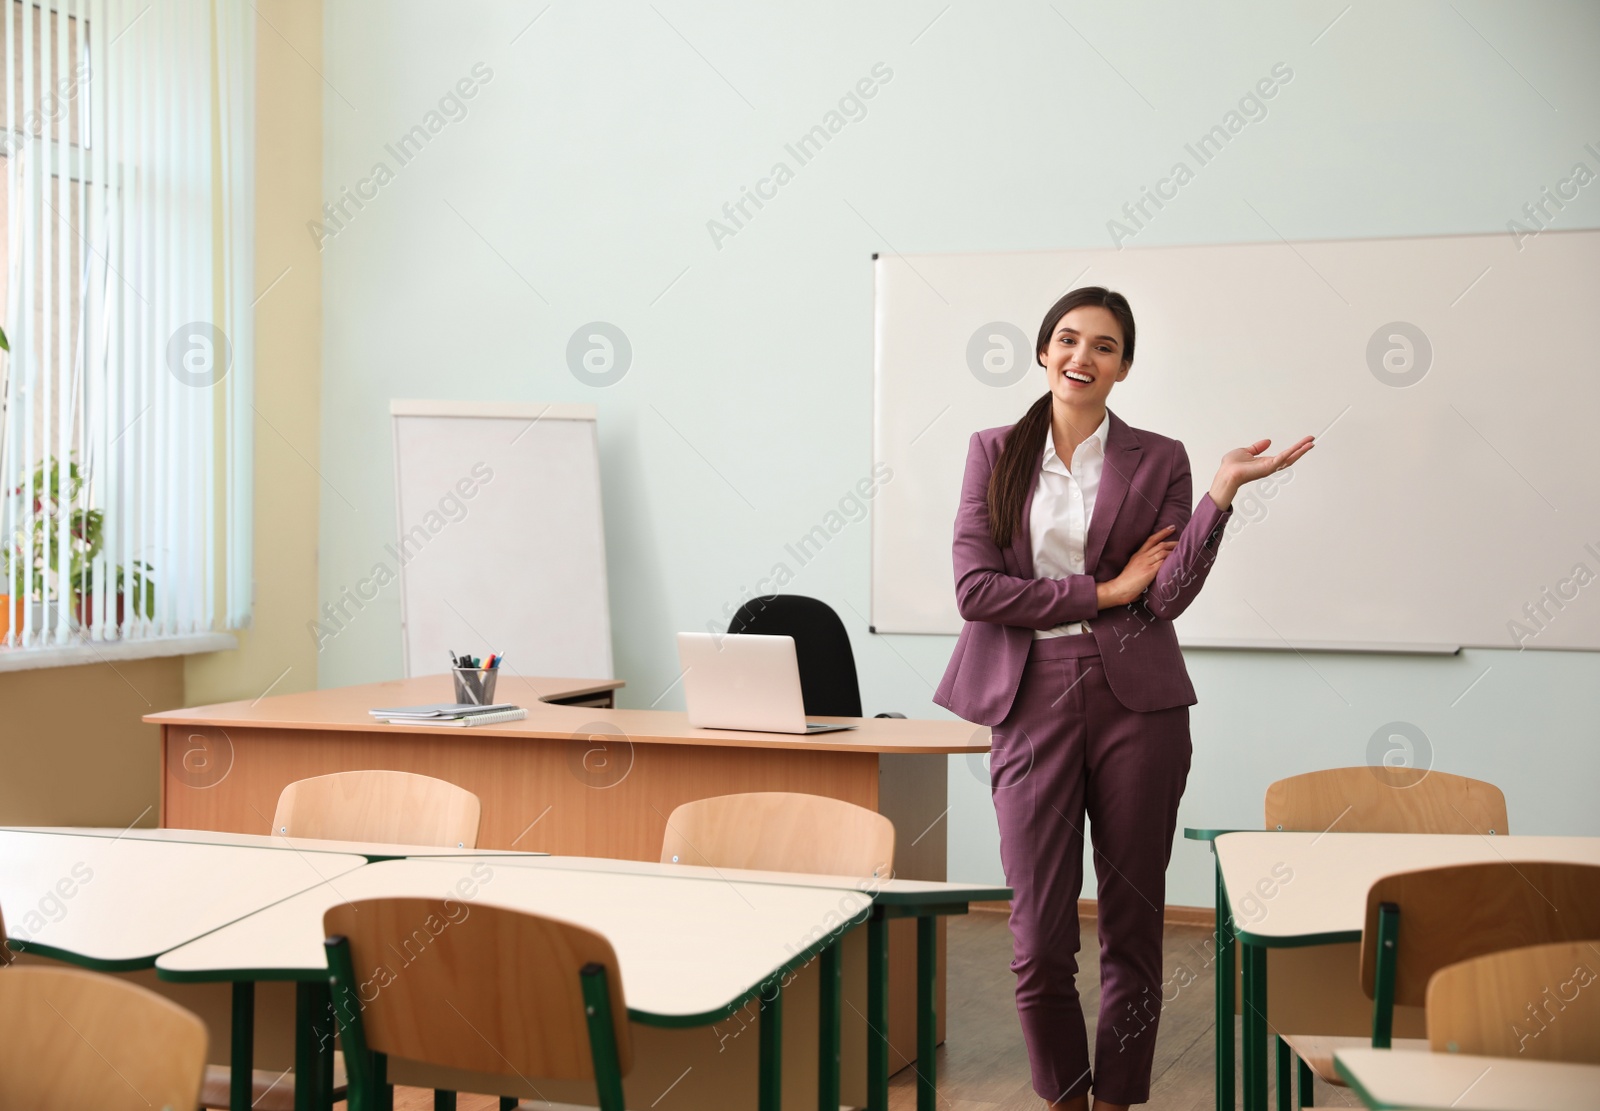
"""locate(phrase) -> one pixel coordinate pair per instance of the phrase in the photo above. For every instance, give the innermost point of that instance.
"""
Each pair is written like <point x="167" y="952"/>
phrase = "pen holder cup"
<point x="475" y="685"/>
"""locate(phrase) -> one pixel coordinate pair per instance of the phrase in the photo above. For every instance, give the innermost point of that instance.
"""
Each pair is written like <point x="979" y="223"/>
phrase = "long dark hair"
<point x="1018" y="465"/>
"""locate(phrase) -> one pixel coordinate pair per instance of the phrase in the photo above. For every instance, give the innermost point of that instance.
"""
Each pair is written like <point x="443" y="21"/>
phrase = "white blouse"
<point x="1063" y="506"/>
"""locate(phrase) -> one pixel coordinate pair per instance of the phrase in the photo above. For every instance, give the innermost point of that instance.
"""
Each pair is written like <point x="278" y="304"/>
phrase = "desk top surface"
<point x="1311" y="888"/>
<point x="117" y="903"/>
<point x="891" y="892"/>
<point x="1398" y="1078"/>
<point x="690" y="950"/>
<point x="371" y="850"/>
<point x="344" y="709"/>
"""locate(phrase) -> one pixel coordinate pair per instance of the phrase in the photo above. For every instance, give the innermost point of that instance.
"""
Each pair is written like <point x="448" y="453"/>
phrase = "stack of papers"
<point x="450" y="713"/>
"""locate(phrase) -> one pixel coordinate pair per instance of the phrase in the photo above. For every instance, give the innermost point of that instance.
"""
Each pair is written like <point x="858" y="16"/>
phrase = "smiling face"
<point x="1084" y="359"/>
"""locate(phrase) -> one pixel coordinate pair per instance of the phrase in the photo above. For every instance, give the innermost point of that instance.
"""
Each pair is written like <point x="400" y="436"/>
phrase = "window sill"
<point x="81" y="652"/>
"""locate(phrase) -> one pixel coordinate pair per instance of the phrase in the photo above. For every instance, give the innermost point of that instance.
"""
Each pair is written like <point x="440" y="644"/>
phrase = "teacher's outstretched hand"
<point x="1246" y="464"/>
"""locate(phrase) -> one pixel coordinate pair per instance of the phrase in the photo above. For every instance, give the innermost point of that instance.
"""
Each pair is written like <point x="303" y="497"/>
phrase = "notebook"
<point x="442" y="710"/>
<point x="492" y="715"/>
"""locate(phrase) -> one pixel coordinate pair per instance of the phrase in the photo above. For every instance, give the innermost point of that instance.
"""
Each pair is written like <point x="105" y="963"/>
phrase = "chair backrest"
<point x="1462" y="911"/>
<point x="399" y="808"/>
<point x="70" y="1038"/>
<point x="477" y="987"/>
<point x="1539" y="1003"/>
<point x="781" y="831"/>
<point x="828" y="683"/>
<point x="1385" y="800"/>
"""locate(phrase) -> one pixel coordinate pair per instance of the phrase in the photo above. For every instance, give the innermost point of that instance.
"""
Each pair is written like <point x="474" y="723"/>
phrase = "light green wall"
<point x="579" y="185"/>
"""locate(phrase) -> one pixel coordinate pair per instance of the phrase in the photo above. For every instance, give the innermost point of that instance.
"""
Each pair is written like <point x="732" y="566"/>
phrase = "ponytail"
<point x="1016" y="471"/>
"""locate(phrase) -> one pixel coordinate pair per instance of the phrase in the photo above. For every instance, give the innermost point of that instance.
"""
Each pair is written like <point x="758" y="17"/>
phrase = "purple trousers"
<point x="1068" y="749"/>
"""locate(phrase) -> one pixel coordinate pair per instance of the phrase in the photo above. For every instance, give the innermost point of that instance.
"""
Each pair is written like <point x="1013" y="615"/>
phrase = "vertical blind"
<point x="125" y="437"/>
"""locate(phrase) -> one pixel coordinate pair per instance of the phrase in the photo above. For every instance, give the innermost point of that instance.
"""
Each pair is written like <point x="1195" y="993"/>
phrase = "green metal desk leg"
<point x="306" y="1071"/>
<point x="1224" y="969"/>
<point x="444" y="1100"/>
<point x="1255" y="1026"/>
<point x="828" y="1030"/>
<point x="1285" y="1074"/>
<point x="1308" y="1086"/>
<point x="770" y="1087"/>
<point x="877" y="1012"/>
<point x="927" y="1019"/>
<point x="241" y="1058"/>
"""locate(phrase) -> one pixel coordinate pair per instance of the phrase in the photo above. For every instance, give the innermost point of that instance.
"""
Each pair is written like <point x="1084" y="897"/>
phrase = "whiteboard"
<point x="1451" y="382"/>
<point x="501" y="544"/>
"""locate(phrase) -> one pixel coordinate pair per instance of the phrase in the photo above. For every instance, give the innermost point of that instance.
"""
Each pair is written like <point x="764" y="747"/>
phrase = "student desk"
<point x="369" y="850"/>
<point x="691" y="952"/>
<point x="574" y="780"/>
<point x="116" y="904"/>
<point x="1285" y="890"/>
<point x="1387" y="1078"/>
<point x="896" y="898"/>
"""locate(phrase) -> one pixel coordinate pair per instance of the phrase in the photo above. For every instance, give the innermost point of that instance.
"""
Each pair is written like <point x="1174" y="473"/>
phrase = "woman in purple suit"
<point x="1075" y="548"/>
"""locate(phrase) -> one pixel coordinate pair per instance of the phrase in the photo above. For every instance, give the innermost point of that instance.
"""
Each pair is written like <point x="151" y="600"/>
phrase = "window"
<point x="125" y="399"/>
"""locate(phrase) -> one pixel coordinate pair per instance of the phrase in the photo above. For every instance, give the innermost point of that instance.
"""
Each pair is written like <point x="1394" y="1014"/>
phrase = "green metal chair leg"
<point x="1383" y="980"/>
<point x="444" y="1100"/>
<point x="1308" y="1084"/>
<point x="602" y="1037"/>
<point x="367" y="1072"/>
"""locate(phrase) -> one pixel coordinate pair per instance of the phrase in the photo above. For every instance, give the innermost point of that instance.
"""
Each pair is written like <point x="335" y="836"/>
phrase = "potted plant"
<point x="41" y="560"/>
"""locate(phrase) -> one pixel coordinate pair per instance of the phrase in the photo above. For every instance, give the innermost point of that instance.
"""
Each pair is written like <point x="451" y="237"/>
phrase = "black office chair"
<point x="828" y="683"/>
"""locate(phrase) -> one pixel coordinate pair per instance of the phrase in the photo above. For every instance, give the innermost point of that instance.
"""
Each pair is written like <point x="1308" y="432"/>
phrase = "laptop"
<point x="740" y="681"/>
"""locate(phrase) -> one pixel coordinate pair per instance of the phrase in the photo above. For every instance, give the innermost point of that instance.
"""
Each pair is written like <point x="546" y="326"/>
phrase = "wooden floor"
<point x="985" y="1065"/>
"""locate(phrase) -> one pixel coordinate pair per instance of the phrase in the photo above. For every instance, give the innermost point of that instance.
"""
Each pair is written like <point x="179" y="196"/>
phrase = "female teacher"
<point x="1068" y="576"/>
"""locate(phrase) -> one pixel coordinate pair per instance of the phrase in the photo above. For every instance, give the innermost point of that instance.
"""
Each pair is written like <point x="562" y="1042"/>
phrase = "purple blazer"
<point x="1145" y="485"/>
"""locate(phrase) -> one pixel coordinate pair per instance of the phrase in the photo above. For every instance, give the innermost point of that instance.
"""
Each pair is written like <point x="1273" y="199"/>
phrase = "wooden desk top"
<point x="1398" y="1078"/>
<point x="691" y="950"/>
<point x="118" y="903"/>
<point x="344" y="709"/>
<point x="1289" y="889"/>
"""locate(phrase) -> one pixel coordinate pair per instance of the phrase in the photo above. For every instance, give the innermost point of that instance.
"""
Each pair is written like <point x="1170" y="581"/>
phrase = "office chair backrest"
<point x="1539" y="1003"/>
<point x="1385" y="800"/>
<point x="780" y="831"/>
<point x="70" y="1038"/>
<point x="389" y="807"/>
<point x="1462" y="911"/>
<point x="480" y="988"/>
<point x="828" y="684"/>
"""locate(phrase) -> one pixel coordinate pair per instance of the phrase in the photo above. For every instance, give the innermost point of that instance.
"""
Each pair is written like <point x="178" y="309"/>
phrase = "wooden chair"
<point x="1385" y="800"/>
<point x="494" y="991"/>
<point x="387" y="807"/>
<point x="1538" y="1003"/>
<point x="71" y="1039"/>
<point x="1419" y="922"/>
<point x="1370" y="799"/>
<point x="781" y="831"/>
<point x="384" y="806"/>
